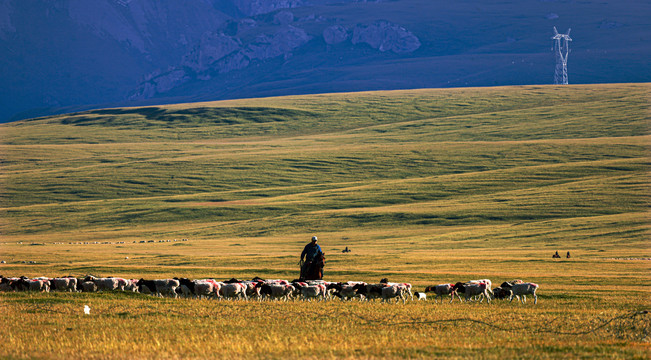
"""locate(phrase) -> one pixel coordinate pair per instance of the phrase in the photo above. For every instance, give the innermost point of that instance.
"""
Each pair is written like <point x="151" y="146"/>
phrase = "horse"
<point x="314" y="269"/>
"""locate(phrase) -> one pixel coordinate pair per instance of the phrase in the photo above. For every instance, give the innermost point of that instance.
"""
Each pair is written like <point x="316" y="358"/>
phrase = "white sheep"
<point x="523" y="290"/>
<point x="390" y="292"/>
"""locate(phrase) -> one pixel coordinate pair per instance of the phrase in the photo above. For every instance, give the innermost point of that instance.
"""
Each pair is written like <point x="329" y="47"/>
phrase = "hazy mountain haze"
<point x="66" y="55"/>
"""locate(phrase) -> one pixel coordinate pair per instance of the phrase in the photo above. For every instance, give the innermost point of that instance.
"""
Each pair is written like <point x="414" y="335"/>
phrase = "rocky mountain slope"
<point x="73" y="54"/>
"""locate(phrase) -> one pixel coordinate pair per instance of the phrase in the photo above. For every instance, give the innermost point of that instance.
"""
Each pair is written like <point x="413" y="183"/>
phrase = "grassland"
<point x="425" y="186"/>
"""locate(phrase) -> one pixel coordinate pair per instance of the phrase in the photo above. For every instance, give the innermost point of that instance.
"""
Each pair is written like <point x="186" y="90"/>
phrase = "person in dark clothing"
<point x="310" y="253"/>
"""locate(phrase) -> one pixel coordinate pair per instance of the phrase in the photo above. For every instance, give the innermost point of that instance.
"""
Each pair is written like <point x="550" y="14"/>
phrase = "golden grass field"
<point x="425" y="186"/>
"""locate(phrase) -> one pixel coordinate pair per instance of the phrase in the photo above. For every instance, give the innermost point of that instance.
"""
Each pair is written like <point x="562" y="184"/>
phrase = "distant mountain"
<point x="65" y="55"/>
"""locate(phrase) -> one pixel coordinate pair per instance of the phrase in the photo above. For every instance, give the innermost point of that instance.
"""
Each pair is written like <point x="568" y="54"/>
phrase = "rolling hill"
<point x="506" y="167"/>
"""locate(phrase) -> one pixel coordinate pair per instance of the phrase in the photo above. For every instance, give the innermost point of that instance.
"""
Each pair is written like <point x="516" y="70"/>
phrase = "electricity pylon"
<point x="562" y="49"/>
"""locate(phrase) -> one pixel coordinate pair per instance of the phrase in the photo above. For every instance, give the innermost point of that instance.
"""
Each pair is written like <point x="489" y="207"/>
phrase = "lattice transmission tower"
<point x="562" y="49"/>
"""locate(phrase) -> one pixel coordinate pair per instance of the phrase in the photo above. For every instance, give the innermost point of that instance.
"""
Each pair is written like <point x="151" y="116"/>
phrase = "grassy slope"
<point x="426" y="186"/>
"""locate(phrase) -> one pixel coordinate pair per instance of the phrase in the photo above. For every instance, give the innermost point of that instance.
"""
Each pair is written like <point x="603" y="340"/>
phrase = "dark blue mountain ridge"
<point x="69" y="55"/>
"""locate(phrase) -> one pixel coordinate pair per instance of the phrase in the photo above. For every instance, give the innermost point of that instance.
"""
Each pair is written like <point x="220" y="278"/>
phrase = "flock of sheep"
<point x="261" y="289"/>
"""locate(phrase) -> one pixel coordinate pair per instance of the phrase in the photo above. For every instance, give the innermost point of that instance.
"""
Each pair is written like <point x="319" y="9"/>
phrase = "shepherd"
<point x="312" y="261"/>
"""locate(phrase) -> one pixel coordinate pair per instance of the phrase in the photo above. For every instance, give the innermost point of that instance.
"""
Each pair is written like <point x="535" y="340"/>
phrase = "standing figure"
<point x="312" y="261"/>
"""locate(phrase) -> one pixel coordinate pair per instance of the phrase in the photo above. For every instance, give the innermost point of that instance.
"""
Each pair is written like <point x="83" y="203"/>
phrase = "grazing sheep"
<point x="253" y="289"/>
<point x="88" y="286"/>
<point x="489" y="285"/>
<point x="501" y="293"/>
<point x="108" y="284"/>
<point x="344" y="291"/>
<point x="122" y="283"/>
<point x="282" y="292"/>
<point x="523" y="290"/>
<point x="390" y="292"/>
<point x="369" y="291"/>
<point x="309" y="292"/>
<point x="65" y="284"/>
<point x="39" y="285"/>
<point x="441" y="290"/>
<point x="146" y="286"/>
<point x="420" y="296"/>
<point x="234" y="290"/>
<point x="207" y="287"/>
<point x="166" y="287"/>
<point x="405" y="286"/>
<point x="473" y="289"/>
<point x="186" y="287"/>
<point x="133" y="285"/>
<point x="5" y="284"/>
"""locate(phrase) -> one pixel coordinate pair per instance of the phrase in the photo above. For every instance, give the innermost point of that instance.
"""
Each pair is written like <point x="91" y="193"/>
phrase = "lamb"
<point x="420" y="296"/>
